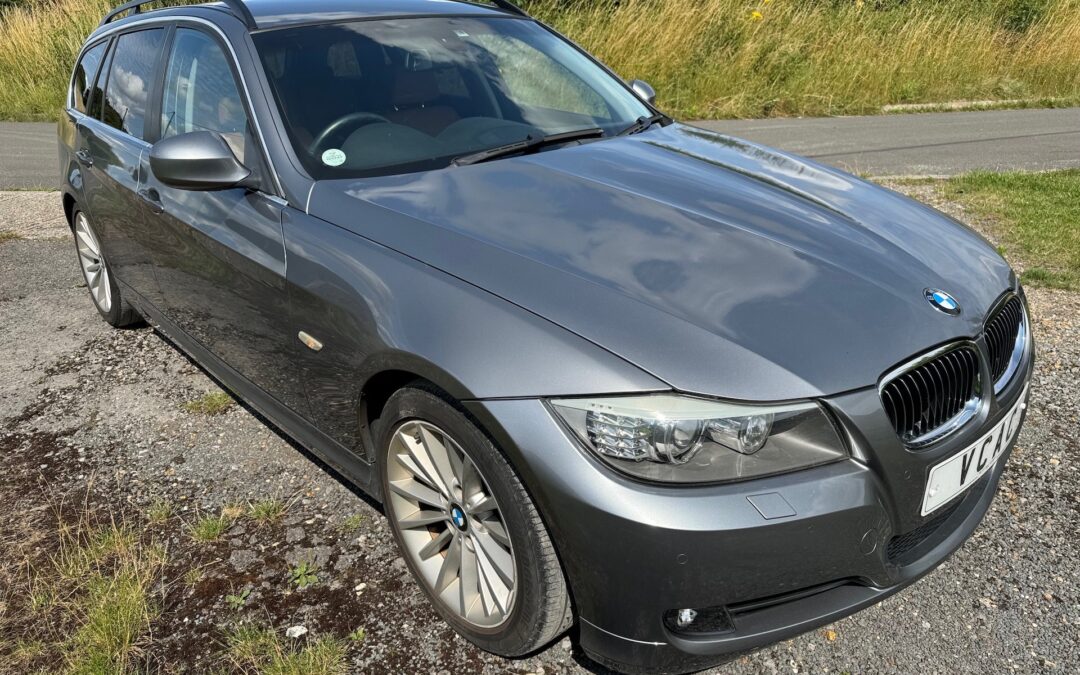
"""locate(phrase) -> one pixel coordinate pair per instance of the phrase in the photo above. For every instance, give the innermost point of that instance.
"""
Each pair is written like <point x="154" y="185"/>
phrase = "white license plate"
<point x="960" y="471"/>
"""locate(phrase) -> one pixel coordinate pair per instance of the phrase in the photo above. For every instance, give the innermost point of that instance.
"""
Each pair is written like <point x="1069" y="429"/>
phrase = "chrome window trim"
<point x="177" y="18"/>
<point x="956" y="422"/>
<point x="1023" y="337"/>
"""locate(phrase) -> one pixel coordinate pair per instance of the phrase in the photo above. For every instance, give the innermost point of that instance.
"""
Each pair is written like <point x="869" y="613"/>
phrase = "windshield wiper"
<point x="530" y="144"/>
<point x="642" y="124"/>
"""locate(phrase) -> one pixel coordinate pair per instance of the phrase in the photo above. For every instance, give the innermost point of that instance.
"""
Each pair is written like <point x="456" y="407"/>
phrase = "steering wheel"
<point x="350" y="122"/>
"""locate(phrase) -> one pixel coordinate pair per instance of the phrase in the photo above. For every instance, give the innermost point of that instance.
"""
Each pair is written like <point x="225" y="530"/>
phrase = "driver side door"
<point x="220" y="255"/>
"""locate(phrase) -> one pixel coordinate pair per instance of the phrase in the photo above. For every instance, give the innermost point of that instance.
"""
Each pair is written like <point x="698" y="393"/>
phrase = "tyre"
<point x="99" y="278"/>
<point x="467" y="528"/>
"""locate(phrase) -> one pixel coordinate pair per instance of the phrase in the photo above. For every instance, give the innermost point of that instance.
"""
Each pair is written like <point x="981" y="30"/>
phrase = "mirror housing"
<point x="644" y="91"/>
<point x="200" y="160"/>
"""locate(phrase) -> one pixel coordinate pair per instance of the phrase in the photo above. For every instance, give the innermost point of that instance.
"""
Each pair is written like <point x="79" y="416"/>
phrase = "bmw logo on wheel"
<point x="942" y="301"/>
<point x="458" y="516"/>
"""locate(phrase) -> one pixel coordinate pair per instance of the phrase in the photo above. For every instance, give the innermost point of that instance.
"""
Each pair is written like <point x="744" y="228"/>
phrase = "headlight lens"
<point x="682" y="439"/>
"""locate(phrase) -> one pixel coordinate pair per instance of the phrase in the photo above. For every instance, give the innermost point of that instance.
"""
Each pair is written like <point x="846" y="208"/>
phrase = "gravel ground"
<point x="97" y="416"/>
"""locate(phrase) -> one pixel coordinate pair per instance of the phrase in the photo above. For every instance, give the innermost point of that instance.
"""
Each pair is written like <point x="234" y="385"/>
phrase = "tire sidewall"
<point x="513" y="637"/>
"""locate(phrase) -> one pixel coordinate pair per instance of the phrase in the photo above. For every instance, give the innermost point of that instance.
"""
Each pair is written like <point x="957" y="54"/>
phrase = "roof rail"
<point x="509" y="7"/>
<point x="504" y="5"/>
<point x="238" y="8"/>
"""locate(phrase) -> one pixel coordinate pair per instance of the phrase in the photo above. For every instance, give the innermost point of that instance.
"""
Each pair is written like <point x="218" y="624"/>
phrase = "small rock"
<point x="295" y="632"/>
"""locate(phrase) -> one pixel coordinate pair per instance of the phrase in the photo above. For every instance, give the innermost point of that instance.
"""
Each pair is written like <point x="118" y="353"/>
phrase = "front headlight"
<point x="681" y="439"/>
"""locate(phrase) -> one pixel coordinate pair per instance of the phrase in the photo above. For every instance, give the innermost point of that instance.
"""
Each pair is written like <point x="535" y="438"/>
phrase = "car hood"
<point x="719" y="266"/>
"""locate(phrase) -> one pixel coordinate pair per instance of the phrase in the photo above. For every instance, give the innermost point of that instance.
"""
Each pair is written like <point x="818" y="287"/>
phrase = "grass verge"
<point x="1036" y="217"/>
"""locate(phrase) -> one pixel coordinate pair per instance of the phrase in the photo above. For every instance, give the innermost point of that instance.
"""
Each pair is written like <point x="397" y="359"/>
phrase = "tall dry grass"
<point x="714" y="58"/>
<point x="738" y="58"/>
<point x="38" y="43"/>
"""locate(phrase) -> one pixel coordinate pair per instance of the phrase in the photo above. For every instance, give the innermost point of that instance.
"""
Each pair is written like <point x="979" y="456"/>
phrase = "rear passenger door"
<point x="221" y="258"/>
<point x="112" y="146"/>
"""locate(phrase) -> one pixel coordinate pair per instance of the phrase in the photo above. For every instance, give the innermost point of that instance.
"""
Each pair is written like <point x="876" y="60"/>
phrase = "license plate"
<point x="960" y="471"/>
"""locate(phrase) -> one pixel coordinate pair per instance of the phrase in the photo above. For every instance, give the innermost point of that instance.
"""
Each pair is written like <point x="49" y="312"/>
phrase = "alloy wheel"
<point x="93" y="266"/>
<point x="450" y="524"/>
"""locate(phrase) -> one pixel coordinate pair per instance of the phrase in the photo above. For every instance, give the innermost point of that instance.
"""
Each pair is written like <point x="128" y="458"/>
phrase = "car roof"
<point x="271" y="14"/>
<point x="279" y="13"/>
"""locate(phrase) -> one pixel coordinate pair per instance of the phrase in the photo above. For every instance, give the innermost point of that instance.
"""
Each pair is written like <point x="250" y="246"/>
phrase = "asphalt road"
<point x="28" y="156"/>
<point x="936" y="144"/>
<point x="928" y="144"/>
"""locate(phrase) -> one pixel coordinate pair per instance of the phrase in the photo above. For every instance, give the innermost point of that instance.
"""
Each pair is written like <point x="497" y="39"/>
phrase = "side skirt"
<point x="348" y="464"/>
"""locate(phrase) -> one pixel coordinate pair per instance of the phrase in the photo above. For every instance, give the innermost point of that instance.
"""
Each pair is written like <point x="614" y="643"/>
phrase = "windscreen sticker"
<point x="333" y="157"/>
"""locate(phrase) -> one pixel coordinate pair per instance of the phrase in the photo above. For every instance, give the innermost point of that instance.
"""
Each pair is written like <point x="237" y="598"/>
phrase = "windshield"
<point x="393" y="96"/>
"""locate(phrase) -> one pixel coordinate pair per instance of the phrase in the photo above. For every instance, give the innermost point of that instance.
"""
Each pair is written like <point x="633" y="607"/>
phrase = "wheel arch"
<point x="385" y="374"/>
<point x="69" y="203"/>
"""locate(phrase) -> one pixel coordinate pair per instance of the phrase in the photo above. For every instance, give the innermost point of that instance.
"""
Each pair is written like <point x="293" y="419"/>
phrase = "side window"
<point x="130" y="74"/>
<point x="85" y="73"/>
<point x="200" y="93"/>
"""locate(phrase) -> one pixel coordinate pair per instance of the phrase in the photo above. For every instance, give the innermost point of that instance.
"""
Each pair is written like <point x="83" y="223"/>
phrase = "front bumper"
<point x="840" y="537"/>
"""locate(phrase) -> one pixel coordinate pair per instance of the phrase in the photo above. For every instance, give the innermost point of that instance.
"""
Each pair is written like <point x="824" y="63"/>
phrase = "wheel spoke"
<point x="439" y="453"/>
<point x="497" y="531"/>
<point x="483" y="505"/>
<point x="435" y="545"/>
<point x="105" y="287"/>
<point x="417" y="492"/>
<point x="471" y="483"/>
<point x="423" y="518"/>
<point x="493" y="590"/>
<point x="469" y="583"/>
<point x="406" y="460"/>
<point x="501" y="560"/>
<point x="422" y="458"/>
<point x="448" y="573"/>
<point x="88" y="241"/>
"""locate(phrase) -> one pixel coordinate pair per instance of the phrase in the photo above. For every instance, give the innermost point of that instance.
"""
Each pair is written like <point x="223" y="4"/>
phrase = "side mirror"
<point x="200" y="160"/>
<point x="644" y="91"/>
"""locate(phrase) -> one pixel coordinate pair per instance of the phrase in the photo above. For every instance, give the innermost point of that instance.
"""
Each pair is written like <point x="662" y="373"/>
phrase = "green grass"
<point x="1037" y="216"/>
<point x="210" y="528"/>
<point x="715" y="58"/>
<point x="262" y="650"/>
<point x="102" y="584"/>
<point x="352" y="523"/>
<point x="160" y="511"/>
<point x="267" y="511"/>
<point x="214" y="403"/>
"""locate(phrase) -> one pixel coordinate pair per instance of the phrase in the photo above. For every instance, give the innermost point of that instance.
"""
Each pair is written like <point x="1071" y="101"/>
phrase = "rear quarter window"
<point x="85" y="74"/>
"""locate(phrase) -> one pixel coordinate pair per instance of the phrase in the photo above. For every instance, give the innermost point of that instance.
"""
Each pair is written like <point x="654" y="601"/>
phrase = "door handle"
<point x="84" y="158"/>
<point x="153" y="200"/>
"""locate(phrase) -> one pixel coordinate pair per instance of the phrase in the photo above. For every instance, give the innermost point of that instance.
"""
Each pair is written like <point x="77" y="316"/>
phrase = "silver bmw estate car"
<point x="603" y="370"/>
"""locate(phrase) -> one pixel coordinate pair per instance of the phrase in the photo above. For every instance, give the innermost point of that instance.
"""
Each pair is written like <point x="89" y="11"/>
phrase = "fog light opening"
<point x="698" y="621"/>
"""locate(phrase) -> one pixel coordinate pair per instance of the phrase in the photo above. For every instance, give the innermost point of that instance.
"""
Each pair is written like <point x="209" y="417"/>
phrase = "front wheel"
<point x="467" y="528"/>
<point x="99" y="279"/>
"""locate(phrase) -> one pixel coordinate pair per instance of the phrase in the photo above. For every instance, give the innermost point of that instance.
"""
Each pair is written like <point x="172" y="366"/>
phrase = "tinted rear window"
<point x="130" y="73"/>
<point x="85" y="73"/>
